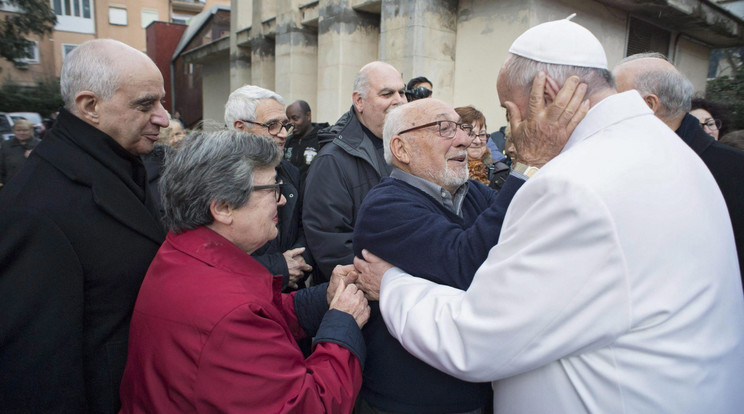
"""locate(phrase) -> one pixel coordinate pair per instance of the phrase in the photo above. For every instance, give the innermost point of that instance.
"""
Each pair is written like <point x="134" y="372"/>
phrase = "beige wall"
<point x="459" y="44"/>
<point x="692" y="60"/>
<point x="34" y="72"/>
<point x="486" y="29"/>
<point x="215" y="90"/>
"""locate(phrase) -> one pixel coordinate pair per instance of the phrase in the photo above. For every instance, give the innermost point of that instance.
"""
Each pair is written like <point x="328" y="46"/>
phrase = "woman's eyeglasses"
<point x="276" y="187"/>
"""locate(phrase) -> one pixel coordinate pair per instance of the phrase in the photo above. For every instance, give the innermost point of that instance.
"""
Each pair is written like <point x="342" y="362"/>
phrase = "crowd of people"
<point x="586" y="257"/>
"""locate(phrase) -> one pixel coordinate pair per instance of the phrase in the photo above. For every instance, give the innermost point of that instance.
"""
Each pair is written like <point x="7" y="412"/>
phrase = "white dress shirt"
<point x="614" y="287"/>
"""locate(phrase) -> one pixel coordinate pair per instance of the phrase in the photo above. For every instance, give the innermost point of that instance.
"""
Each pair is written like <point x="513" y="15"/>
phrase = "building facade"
<point x="82" y="20"/>
<point x="312" y="50"/>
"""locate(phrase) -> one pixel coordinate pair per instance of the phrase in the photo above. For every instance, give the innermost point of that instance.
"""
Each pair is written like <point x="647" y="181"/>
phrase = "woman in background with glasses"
<point x="211" y="330"/>
<point x="713" y="117"/>
<point x="479" y="157"/>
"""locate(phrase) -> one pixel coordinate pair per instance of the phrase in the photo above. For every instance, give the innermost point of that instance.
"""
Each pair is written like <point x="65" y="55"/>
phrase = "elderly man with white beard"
<point x="447" y="224"/>
<point x="608" y="291"/>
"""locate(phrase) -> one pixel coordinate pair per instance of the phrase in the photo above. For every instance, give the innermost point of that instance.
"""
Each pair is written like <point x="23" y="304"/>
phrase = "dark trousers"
<point x="363" y="407"/>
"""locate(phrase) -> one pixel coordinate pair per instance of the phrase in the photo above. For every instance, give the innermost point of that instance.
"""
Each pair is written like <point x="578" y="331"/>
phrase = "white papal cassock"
<point x="614" y="287"/>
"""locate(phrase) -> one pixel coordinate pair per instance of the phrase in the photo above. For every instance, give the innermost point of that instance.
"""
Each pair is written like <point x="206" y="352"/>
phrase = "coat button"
<point x="291" y="195"/>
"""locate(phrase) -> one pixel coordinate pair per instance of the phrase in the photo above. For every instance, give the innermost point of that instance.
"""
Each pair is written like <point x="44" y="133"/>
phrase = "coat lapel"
<point x="109" y="192"/>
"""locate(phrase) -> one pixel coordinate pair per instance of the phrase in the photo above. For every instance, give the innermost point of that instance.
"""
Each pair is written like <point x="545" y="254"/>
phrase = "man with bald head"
<point x="669" y="94"/>
<point x="349" y="164"/>
<point x="77" y="234"/>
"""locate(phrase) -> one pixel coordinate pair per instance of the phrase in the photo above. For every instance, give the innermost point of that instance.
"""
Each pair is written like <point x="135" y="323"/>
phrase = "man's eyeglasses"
<point x="447" y="129"/>
<point x="712" y="124"/>
<point x="275" y="127"/>
<point x="276" y="187"/>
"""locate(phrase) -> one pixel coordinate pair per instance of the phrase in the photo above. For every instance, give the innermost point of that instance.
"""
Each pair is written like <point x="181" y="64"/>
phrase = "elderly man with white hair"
<point x="78" y="230"/>
<point x="260" y="111"/>
<point x="608" y="291"/>
<point x="669" y="94"/>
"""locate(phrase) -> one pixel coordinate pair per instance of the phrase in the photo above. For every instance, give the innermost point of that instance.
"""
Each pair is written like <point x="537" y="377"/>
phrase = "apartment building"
<point x="82" y="20"/>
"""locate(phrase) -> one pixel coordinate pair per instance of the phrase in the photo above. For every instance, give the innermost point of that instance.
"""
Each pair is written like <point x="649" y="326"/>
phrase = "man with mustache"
<point x="447" y="225"/>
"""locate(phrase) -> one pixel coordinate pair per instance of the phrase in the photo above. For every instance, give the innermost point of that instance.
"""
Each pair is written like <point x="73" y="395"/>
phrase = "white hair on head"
<point x="92" y="67"/>
<point x="242" y="103"/>
<point x="672" y="88"/>
<point x="394" y="122"/>
<point x="361" y="83"/>
<point x="520" y="72"/>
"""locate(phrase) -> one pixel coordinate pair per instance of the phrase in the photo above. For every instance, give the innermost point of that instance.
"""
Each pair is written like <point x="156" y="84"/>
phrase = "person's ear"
<point x="221" y="212"/>
<point x="551" y="90"/>
<point x="356" y="97"/>
<point x="240" y="125"/>
<point x="653" y="102"/>
<point x="400" y="148"/>
<point x="87" y="105"/>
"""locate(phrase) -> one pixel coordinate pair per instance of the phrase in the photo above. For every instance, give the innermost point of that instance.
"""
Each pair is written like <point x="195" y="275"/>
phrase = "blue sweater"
<point x="411" y="230"/>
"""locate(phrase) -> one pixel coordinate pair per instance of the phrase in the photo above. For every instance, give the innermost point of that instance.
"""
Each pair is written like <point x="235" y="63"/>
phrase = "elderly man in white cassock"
<point x="614" y="286"/>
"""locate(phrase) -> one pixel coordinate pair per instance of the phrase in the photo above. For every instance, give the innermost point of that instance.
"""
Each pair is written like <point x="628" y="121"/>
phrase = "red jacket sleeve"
<point x="251" y="363"/>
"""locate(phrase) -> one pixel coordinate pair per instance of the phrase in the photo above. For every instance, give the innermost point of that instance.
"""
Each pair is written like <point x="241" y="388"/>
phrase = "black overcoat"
<point x="76" y="239"/>
<point x="727" y="166"/>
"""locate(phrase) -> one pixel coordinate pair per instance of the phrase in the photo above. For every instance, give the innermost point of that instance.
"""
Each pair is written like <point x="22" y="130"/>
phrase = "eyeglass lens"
<point x="276" y="127"/>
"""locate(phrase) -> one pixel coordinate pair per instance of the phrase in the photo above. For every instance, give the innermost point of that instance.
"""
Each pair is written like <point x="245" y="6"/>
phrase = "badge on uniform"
<point x="309" y="154"/>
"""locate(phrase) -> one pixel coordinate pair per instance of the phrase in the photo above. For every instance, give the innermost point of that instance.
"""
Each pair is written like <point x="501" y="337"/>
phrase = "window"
<point x="645" y="37"/>
<point x="148" y="16"/>
<point x="66" y="49"/>
<point x="33" y="50"/>
<point x="6" y="6"/>
<point x="74" y="15"/>
<point x="118" y="16"/>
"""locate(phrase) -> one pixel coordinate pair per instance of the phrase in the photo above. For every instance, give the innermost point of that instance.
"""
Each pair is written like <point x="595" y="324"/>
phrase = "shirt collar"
<point x="438" y="193"/>
<point x="607" y="112"/>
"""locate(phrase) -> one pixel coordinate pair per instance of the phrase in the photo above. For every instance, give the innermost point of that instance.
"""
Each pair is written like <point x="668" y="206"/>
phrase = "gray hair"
<point x="212" y="166"/>
<point x="361" y="83"/>
<point x="670" y="85"/>
<point x="91" y="67"/>
<point x="394" y="123"/>
<point x="520" y="71"/>
<point x="243" y="101"/>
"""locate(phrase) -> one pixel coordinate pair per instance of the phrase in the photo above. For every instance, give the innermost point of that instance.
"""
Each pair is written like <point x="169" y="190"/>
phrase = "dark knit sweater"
<point x="411" y="230"/>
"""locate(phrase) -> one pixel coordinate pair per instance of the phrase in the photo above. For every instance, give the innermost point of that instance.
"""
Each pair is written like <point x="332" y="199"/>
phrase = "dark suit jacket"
<point x="727" y="166"/>
<point x="76" y="238"/>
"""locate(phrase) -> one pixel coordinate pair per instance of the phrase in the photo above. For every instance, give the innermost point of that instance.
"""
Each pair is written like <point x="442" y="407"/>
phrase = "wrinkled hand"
<point x="544" y="132"/>
<point x="341" y="274"/>
<point x="370" y="270"/>
<point x="349" y="299"/>
<point x="296" y="266"/>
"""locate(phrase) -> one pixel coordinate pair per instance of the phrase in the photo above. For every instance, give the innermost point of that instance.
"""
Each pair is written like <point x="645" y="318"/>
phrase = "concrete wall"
<point x="347" y="40"/>
<point x="419" y="38"/>
<point x="459" y="44"/>
<point x="215" y="90"/>
<point x="486" y="29"/>
<point x="692" y="60"/>
<point x="296" y="53"/>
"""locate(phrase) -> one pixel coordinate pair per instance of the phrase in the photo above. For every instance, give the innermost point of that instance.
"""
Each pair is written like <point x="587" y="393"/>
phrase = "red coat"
<point x="211" y="334"/>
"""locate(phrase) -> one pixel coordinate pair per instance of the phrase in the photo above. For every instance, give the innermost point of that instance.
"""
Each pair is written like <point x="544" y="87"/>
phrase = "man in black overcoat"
<point x="78" y="229"/>
<point x="669" y="94"/>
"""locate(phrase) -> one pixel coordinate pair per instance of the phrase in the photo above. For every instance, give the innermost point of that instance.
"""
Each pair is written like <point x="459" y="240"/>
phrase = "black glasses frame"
<point x="467" y="128"/>
<point x="712" y="123"/>
<point x="276" y="187"/>
<point x="273" y="126"/>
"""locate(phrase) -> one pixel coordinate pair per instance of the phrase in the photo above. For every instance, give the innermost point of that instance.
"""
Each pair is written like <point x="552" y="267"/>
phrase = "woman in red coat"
<point x="211" y="331"/>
